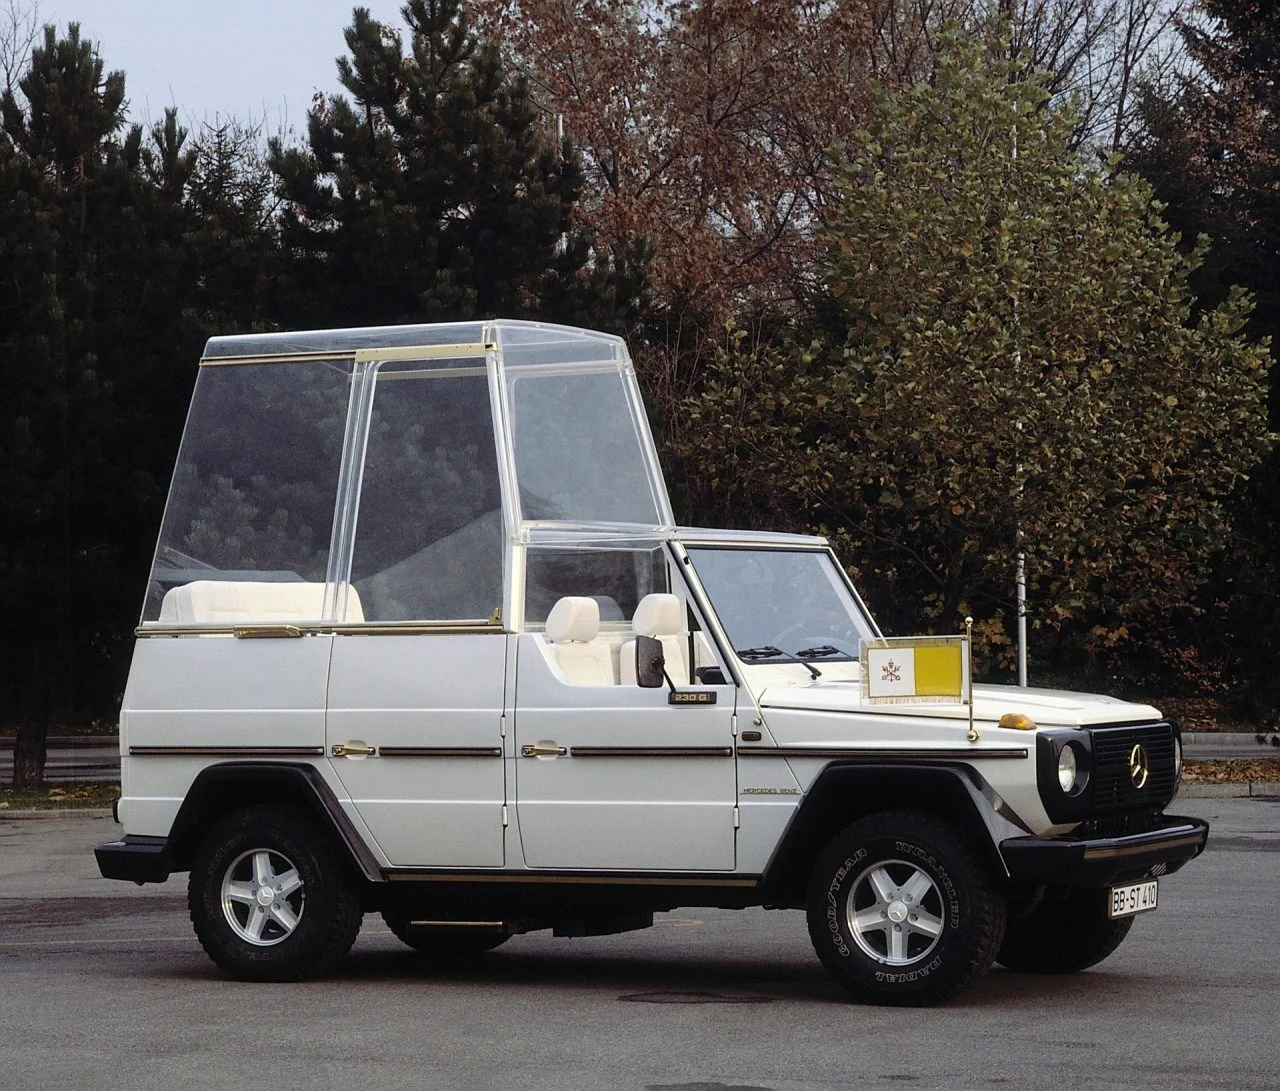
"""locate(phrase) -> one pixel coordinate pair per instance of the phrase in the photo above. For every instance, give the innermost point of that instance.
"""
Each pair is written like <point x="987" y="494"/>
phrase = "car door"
<point x="615" y="778"/>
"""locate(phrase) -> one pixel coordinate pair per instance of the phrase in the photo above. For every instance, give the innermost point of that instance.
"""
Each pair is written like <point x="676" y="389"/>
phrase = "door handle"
<point x="357" y="748"/>
<point x="543" y="750"/>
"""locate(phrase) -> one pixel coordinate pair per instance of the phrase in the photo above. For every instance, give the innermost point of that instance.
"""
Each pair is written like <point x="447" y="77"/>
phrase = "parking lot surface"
<point x="103" y="985"/>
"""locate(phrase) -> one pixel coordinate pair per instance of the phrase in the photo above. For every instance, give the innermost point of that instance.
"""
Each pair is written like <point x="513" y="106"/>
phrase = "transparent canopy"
<point x="386" y="475"/>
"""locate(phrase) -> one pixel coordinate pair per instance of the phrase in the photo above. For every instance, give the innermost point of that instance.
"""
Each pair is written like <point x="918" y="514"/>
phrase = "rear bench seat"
<point x="239" y="602"/>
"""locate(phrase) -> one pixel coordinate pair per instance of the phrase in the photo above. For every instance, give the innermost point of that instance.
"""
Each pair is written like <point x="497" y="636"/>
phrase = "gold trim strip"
<point x="651" y="751"/>
<point x="467" y="351"/>
<point x="334" y="355"/>
<point x="969" y="754"/>
<point x="227" y="751"/>
<point x="386" y="628"/>
<point x="597" y="880"/>
<point x="1138" y="850"/>
<point x="440" y="751"/>
<point x="265" y="632"/>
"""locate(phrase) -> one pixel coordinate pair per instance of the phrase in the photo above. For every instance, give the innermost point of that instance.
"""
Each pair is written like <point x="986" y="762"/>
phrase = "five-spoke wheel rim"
<point x="262" y="897"/>
<point x="895" y="912"/>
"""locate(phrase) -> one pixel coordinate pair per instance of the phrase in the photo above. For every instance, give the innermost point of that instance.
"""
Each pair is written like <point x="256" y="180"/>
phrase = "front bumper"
<point x="135" y="858"/>
<point x="1101" y="861"/>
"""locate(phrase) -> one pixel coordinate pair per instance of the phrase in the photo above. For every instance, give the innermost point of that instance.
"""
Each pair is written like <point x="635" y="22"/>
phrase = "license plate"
<point x="1133" y="898"/>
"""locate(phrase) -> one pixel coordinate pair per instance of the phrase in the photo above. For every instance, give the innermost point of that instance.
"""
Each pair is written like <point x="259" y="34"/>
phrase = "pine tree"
<point x="430" y="193"/>
<point x="1212" y="154"/>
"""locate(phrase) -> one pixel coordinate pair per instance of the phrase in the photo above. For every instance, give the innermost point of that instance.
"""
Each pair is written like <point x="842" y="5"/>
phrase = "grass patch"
<point x="56" y="797"/>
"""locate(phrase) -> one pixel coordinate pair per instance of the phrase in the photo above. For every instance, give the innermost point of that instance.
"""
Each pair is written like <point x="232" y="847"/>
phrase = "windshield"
<point x="778" y="605"/>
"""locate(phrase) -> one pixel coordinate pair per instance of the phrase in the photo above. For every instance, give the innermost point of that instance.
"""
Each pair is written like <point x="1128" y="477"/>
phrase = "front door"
<point x="614" y="778"/>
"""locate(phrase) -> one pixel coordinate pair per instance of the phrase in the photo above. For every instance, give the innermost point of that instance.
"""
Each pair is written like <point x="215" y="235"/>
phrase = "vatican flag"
<point x="916" y="669"/>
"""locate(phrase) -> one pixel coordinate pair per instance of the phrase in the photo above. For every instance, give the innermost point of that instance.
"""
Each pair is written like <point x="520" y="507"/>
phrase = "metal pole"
<point x="1020" y="575"/>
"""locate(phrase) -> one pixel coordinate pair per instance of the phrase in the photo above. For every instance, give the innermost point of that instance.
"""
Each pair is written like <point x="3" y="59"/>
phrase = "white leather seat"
<point x="660" y="616"/>
<point x="241" y="602"/>
<point x="571" y="640"/>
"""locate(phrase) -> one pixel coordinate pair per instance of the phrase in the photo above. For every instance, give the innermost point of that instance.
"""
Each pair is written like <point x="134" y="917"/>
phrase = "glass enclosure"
<point x="383" y="476"/>
<point x="778" y="603"/>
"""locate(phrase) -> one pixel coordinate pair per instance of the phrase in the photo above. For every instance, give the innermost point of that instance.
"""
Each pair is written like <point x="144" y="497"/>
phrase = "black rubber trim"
<point x="134" y="858"/>
<point x="218" y="789"/>
<point x="1101" y="861"/>
<point x="575" y="878"/>
<point x="851" y="788"/>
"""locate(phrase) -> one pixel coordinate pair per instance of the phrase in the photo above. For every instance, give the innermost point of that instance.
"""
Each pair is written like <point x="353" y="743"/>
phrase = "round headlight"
<point x="1067" y="768"/>
<point x="1177" y="757"/>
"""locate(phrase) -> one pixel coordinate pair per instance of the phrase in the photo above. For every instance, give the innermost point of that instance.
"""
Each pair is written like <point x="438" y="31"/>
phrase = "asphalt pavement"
<point x="102" y="985"/>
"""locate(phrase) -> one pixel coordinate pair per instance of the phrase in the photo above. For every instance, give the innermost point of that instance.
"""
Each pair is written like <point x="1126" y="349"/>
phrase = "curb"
<point x="1253" y="789"/>
<point x="57" y="812"/>
<point x="1226" y="738"/>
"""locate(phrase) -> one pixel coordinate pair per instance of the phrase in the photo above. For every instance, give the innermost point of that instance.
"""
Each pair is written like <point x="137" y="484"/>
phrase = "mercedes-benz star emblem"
<point x="1139" y="767"/>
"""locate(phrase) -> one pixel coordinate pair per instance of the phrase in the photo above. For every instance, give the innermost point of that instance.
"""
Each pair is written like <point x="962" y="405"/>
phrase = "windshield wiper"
<point x="768" y="651"/>
<point x="820" y="652"/>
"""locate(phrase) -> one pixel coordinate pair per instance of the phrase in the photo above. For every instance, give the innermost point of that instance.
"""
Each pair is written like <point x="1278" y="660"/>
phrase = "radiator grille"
<point x="1115" y="795"/>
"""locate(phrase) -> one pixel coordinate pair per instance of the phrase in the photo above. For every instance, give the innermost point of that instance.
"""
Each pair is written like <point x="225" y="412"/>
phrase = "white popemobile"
<point x="421" y="637"/>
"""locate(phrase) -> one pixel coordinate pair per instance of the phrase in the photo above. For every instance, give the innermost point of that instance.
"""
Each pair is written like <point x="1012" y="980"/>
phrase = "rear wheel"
<point x="269" y="897"/>
<point x="901" y="911"/>
<point x="1068" y="931"/>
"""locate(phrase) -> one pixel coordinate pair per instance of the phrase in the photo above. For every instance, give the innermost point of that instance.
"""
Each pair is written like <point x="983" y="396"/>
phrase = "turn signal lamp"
<point x="1017" y="721"/>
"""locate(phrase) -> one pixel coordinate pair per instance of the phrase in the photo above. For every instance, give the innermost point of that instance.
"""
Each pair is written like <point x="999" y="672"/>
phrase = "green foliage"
<point x="1009" y="362"/>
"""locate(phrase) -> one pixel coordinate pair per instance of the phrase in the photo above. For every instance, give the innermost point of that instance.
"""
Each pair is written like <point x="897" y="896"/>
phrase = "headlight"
<point x="1177" y="758"/>
<point x="1067" y="769"/>
<point x="1073" y="773"/>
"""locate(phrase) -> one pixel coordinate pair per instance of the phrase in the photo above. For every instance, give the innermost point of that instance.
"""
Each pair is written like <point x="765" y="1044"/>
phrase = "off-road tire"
<point x="1068" y="931"/>
<point x="901" y="911"/>
<point x="441" y="947"/>
<point x="312" y="913"/>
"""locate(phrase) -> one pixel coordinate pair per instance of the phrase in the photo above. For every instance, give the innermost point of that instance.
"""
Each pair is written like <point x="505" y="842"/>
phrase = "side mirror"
<point x="651" y="665"/>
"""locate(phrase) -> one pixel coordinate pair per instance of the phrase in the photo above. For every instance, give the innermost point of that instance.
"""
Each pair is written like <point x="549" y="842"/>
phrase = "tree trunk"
<point x="29" y="752"/>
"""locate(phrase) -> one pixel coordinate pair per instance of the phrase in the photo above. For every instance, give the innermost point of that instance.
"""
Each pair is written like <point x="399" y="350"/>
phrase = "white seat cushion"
<point x="660" y="616"/>
<point x="573" y="644"/>
<point x="242" y="602"/>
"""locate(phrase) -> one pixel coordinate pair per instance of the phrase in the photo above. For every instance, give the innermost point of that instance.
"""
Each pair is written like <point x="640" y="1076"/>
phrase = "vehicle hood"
<point x="1047" y="707"/>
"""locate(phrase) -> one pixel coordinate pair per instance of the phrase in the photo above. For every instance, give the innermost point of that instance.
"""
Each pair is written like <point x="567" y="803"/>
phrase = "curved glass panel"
<point x="252" y="502"/>
<point x="578" y="454"/>
<point x="428" y="543"/>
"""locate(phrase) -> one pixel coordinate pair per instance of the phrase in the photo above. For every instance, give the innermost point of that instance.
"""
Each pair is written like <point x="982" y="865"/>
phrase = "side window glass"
<point x="616" y="578"/>
<point x="428" y="541"/>
<point x="252" y="503"/>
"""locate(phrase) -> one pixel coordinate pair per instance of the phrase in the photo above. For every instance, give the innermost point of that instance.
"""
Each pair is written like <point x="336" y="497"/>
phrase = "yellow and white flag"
<point x="916" y="669"/>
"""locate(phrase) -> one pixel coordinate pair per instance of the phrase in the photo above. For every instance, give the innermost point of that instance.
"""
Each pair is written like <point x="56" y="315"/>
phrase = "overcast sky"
<point x="254" y="59"/>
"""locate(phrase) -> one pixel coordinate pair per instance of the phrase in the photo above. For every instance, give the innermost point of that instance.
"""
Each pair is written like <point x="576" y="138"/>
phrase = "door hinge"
<point x="502" y="725"/>
<point x="734" y="721"/>
<point x="737" y="819"/>
<point x="504" y="816"/>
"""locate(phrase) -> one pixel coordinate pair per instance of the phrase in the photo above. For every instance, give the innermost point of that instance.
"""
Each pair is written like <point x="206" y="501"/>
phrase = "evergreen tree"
<point x="1212" y="153"/>
<point x="430" y="194"/>
<point x="58" y="481"/>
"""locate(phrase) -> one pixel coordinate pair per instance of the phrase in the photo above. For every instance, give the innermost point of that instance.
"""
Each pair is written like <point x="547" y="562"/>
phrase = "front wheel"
<point x="269" y="897"/>
<point x="901" y="912"/>
<point x="1069" y="931"/>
